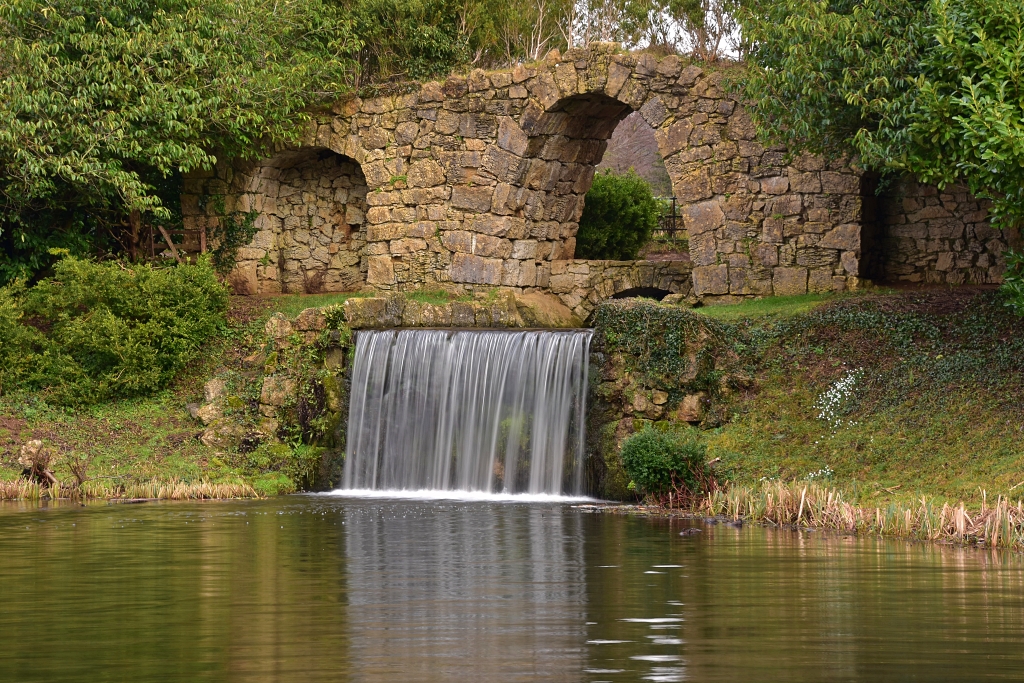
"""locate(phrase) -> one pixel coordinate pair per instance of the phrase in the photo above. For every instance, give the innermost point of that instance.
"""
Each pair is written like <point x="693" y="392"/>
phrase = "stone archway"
<point x="479" y="180"/>
<point x="321" y="203"/>
<point x="311" y="234"/>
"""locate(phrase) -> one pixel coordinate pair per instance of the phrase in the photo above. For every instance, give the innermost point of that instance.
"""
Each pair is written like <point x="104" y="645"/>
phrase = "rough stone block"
<point x="425" y="173"/>
<point x="711" y="280"/>
<point x="380" y="270"/>
<point x="844" y="237"/>
<point x="458" y="241"/>
<point x="839" y="183"/>
<point x="775" y="185"/>
<point x="475" y="269"/>
<point x="703" y="217"/>
<point x="511" y="137"/>
<point x="311" y="320"/>
<point x="789" y="281"/>
<point x="472" y="198"/>
<point x="819" y="280"/>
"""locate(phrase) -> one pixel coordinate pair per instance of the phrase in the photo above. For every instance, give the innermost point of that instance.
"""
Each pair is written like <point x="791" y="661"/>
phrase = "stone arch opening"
<point x="320" y="208"/>
<point x="564" y="145"/>
<point x="645" y="292"/>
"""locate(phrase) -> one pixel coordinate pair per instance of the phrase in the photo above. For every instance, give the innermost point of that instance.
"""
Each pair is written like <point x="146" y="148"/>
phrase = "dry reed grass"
<point x="815" y="505"/>
<point x="156" y="490"/>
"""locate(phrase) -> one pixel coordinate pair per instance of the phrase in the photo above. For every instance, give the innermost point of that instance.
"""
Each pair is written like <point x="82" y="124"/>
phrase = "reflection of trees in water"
<point x="782" y="606"/>
<point x="465" y="592"/>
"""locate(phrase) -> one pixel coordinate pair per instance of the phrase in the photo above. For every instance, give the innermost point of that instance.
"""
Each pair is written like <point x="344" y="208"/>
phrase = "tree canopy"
<point x="934" y="88"/>
<point x="102" y="102"/>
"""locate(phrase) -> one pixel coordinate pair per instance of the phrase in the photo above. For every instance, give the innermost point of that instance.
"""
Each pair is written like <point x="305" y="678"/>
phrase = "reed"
<point x="172" y="489"/>
<point x="816" y="505"/>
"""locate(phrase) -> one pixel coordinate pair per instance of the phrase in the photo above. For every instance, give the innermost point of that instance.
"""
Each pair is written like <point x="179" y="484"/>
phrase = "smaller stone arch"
<point x="310" y="206"/>
<point x="645" y="292"/>
<point x="321" y="209"/>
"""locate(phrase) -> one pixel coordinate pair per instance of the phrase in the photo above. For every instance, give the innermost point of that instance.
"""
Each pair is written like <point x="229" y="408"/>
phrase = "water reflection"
<point x="465" y="592"/>
<point x="326" y="589"/>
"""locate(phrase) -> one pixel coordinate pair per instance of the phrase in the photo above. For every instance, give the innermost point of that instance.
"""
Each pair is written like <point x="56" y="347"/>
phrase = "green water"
<point x="312" y="588"/>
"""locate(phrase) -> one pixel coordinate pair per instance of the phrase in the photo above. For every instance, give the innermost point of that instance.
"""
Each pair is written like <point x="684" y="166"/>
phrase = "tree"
<point x="934" y="88"/>
<point x="104" y="104"/>
<point x="619" y="215"/>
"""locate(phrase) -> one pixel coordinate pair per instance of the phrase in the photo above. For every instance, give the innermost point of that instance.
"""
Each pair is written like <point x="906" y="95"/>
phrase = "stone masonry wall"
<point x="479" y="181"/>
<point x="932" y="236"/>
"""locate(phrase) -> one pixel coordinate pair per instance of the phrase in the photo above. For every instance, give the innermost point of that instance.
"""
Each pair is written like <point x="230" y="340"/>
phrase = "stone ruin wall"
<point x="479" y="182"/>
<point x="933" y="236"/>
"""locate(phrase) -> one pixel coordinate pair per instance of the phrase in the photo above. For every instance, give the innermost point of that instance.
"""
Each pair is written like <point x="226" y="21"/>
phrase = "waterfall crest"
<point x="467" y="410"/>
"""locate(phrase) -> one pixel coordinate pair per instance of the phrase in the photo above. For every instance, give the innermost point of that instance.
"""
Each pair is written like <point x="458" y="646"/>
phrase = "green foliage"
<point x="1013" y="282"/>
<point x="929" y="87"/>
<point x="619" y="215"/>
<point x="409" y="39"/>
<point x="661" y="461"/>
<point x="96" y="331"/>
<point x="236" y="231"/>
<point x="102" y="103"/>
<point x="19" y="344"/>
<point x="658" y="341"/>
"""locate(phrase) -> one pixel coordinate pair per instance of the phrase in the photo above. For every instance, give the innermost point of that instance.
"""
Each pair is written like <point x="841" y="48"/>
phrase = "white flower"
<point x="835" y="401"/>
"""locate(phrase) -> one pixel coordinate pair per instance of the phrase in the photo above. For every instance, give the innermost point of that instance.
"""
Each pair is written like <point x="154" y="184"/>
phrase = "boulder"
<point x="691" y="409"/>
<point x="223" y="434"/>
<point x="278" y="327"/>
<point x="311" y="320"/>
<point x="214" y="389"/>
<point x="538" y="309"/>
<point x="209" y="413"/>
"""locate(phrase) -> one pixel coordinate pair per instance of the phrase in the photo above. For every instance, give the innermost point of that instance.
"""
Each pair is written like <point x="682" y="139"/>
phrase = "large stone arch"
<point x="479" y="181"/>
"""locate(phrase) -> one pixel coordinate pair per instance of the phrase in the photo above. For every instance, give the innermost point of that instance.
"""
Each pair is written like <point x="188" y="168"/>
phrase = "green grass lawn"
<point x="776" y="306"/>
<point x="293" y="304"/>
<point x="935" y="408"/>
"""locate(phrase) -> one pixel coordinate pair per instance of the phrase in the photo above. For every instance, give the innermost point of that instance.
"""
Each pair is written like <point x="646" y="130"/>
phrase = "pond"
<point x="325" y="588"/>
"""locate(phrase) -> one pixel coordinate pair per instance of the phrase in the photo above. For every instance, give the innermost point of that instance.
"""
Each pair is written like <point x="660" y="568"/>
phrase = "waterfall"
<point x="465" y="410"/>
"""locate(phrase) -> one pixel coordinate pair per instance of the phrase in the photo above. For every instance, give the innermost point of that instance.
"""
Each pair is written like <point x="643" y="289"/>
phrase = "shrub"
<point x="1013" y="282"/>
<point x="96" y="331"/>
<point x="19" y="344"/>
<point x="658" y="462"/>
<point x="618" y="218"/>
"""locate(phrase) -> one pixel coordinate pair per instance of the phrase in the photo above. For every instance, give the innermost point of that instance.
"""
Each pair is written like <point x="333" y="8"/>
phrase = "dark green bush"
<point x="619" y="215"/>
<point x="96" y="331"/>
<point x="658" y="462"/>
<point x="1013" y="282"/>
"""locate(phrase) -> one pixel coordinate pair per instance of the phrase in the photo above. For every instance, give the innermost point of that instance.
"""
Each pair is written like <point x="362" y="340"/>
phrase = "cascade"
<point x="488" y="411"/>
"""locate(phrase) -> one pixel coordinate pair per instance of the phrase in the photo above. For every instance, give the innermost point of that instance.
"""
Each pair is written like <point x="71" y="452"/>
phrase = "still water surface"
<point x="319" y="588"/>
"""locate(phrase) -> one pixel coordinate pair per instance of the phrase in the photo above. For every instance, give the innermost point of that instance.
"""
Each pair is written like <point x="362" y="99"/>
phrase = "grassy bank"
<point x="899" y="413"/>
<point x="148" y="447"/>
<point x="894" y="395"/>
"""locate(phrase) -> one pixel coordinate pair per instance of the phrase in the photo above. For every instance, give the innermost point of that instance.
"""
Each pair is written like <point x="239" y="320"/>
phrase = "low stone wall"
<point x="581" y="285"/>
<point x="939" y="237"/>
<point x="398" y="311"/>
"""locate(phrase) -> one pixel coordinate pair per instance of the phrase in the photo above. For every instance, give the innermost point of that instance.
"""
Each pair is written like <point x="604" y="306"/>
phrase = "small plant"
<point x="663" y="462"/>
<point x="1013" y="282"/>
<point x="824" y="474"/>
<point x="837" y="401"/>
